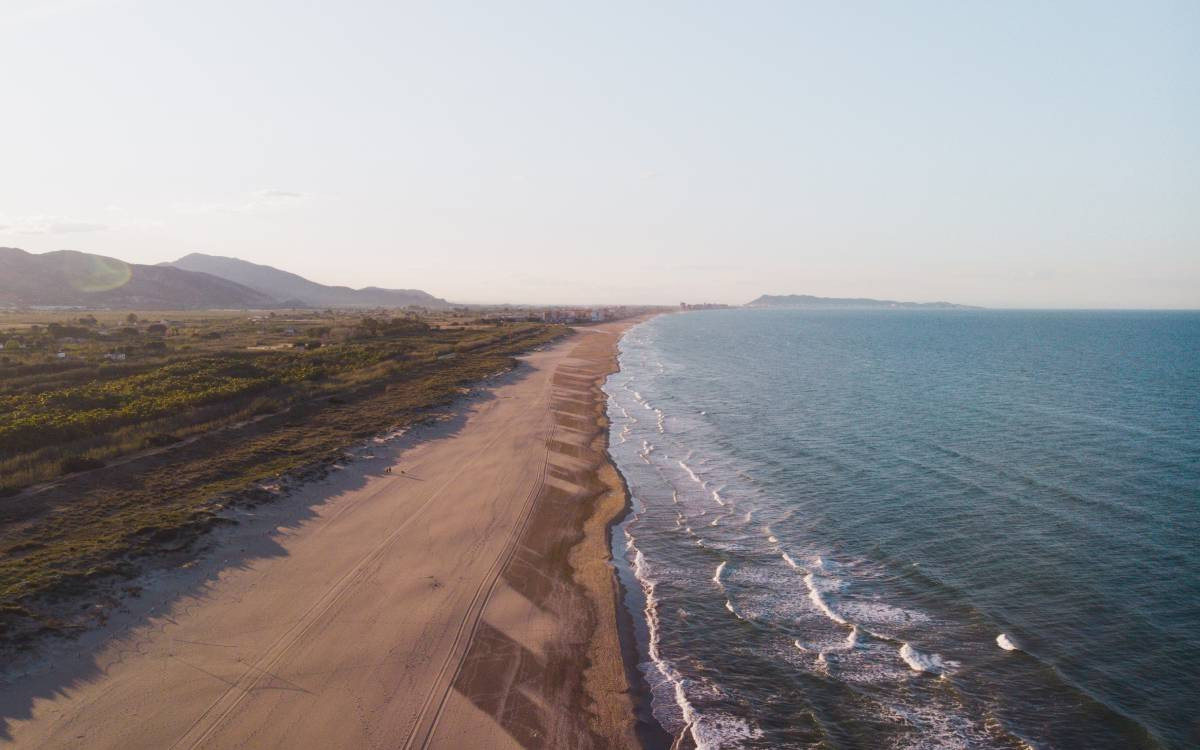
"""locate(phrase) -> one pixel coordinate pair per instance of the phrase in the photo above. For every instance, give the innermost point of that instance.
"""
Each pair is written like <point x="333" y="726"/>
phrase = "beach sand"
<point x="463" y="599"/>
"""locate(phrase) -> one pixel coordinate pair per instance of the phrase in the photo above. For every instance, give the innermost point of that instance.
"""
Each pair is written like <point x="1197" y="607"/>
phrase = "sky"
<point x="1015" y="154"/>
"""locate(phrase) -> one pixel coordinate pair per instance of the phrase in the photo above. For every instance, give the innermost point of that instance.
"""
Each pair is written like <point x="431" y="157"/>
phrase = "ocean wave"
<point x="851" y="639"/>
<point x="919" y="661"/>
<point x="717" y="576"/>
<point x="691" y="473"/>
<point x="1006" y="643"/>
<point x="670" y="676"/>
<point x="818" y="601"/>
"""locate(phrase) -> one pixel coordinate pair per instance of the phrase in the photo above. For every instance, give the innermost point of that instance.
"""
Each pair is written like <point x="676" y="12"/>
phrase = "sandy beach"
<point x="450" y="588"/>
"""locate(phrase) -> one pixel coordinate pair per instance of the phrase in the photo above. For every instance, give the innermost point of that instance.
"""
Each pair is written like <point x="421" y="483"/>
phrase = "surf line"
<point x="917" y="661"/>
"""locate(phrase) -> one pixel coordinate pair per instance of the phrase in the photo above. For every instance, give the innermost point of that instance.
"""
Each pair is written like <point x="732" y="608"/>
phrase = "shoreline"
<point x="650" y="733"/>
<point x="489" y="578"/>
<point x="568" y="545"/>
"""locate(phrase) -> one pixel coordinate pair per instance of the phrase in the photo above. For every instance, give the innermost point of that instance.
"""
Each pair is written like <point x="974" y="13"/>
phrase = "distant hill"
<point x="285" y="286"/>
<point x="72" y="279"/>
<point x="809" y="302"/>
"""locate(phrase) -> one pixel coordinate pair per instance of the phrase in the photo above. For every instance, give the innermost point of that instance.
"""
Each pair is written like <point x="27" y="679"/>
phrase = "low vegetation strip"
<point x="195" y="431"/>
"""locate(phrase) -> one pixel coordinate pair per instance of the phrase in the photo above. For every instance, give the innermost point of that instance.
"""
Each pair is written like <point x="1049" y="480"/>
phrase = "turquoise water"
<point x="915" y="529"/>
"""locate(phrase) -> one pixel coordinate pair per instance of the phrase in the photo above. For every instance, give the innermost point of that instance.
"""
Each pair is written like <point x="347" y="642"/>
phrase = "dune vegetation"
<point x="105" y="459"/>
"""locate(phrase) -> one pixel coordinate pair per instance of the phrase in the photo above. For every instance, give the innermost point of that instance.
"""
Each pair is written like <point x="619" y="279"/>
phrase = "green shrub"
<point x="79" y="463"/>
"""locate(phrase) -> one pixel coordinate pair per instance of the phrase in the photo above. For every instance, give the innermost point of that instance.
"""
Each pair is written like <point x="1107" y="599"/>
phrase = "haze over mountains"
<point x="290" y="288"/>
<point x="809" y="302"/>
<point x="67" y="278"/>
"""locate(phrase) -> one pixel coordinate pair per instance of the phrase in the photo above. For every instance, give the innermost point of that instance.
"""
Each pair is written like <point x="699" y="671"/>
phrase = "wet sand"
<point x="463" y="599"/>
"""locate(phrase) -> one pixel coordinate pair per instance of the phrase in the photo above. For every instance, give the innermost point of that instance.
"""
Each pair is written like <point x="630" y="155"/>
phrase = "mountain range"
<point x="67" y="278"/>
<point x="298" y="291"/>
<point x="809" y="302"/>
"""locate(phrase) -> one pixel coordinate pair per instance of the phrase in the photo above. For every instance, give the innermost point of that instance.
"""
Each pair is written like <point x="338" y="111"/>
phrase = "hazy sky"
<point x="998" y="153"/>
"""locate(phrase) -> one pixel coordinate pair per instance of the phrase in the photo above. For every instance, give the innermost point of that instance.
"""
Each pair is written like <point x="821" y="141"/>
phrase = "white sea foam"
<point x="788" y="559"/>
<point x="851" y="639"/>
<point x="691" y="473"/>
<point x="717" y="496"/>
<point x="664" y="667"/>
<point x="722" y="730"/>
<point x="717" y="575"/>
<point x="1006" y="643"/>
<point x="647" y="449"/>
<point x="814" y="595"/>
<point x="881" y="614"/>
<point x="918" y="661"/>
<point x="729" y="606"/>
<point x="773" y="540"/>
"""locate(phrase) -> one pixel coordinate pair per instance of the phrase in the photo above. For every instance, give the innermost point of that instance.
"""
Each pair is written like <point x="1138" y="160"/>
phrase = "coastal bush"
<point x="79" y="463"/>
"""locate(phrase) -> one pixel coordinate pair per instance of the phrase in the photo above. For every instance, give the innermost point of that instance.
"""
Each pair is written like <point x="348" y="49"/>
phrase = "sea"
<point x="914" y="529"/>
